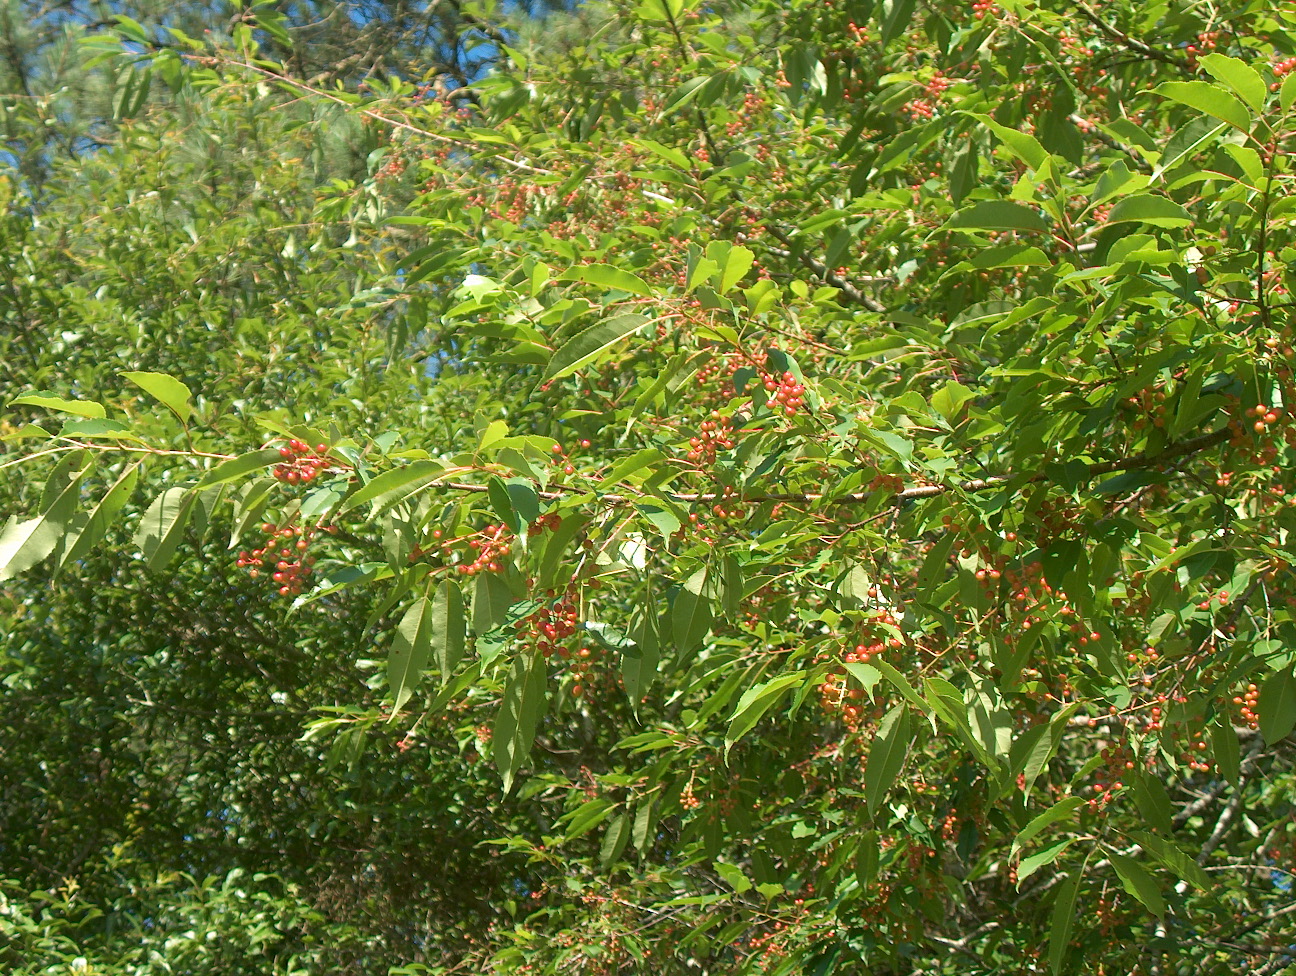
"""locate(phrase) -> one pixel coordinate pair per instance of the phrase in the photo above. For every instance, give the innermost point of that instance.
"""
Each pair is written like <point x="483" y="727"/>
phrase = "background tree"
<point x="831" y="459"/>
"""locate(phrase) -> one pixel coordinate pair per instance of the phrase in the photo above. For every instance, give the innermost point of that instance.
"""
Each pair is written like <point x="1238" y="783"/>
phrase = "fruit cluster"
<point x="789" y="395"/>
<point x="301" y="463"/>
<point x="283" y="555"/>
<point x="714" y="435"/>
<point x="492" y="548"/>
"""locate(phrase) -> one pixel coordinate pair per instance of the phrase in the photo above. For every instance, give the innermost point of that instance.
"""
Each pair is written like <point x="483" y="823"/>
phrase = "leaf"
<point x="409" y="652"/>
<point x="1224" y="746"/>
<point x="491" y="600"/>
<point x="1138" y="883"/>
<point x="502" y="504"/>
<point x="691" y="613"/>
<point x="167" y="390"/>
<point x="1277" y="706"/>
<point x="1147" y="208"/>
<point x="1174" y="859"/>
<point x="393" y="487"/>
<point x="1063" y="918"/>
<point x="1029" y="865"/>
<point x="1206" y="97"/>
<point x="94" y="526"/>
<point x="607" y="276"/>
<point x="235" y="468"/>
<point x="755" y="702"/>
<point x="732" y="875"/>
<point x="448" y="628"/>
<point x="1239" y="76"/>
<point x="886" y="756"/>
<point x="1153" y="802"/>
<point x="614" y="839"/>
<point x="901" y="684"/>
<point x="996" y="215"/>
<point x="639" y="661"/>
<point x="585" y="347"/>
<point x="519" y="716"/>
<point x="51" y="401"/>
<point x="733" y="262"/>
<point x="162" y="527"/>
<point x="1023" y="145"/>
<point x="1058" y="811"/>
<point x="24" y="544"/>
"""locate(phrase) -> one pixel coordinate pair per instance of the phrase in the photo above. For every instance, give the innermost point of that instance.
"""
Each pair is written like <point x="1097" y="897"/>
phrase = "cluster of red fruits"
<point x="1247" y="702"/>
<point x="789" y="395"/>
<point x="492" y="548"/>
<point x="714" y="435"/>
<point x="982" y="7"/>
<point x="284" y="555"/>
<point x="301" y="463"/>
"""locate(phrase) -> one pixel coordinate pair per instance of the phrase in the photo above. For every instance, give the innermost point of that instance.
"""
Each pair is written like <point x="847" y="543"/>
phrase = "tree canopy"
<point x="758" y="487"/>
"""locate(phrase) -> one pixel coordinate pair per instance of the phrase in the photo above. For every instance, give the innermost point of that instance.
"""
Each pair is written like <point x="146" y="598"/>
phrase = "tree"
<point x="832" y="459"/>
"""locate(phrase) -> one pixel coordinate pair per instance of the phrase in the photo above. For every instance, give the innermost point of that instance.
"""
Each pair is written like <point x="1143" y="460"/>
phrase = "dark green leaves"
<point x="1277" y="706"/>
<point x="886" y="756"/>
<point x="585" y="347"/>
<point x="519" y="716"/>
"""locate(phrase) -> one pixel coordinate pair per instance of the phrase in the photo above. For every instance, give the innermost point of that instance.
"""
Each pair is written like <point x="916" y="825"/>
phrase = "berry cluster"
<point x="563" y="460"/>
<point x="1117" y="760"/>
<point x="1247" y="702"/>
<point x="284" y="554"/>
<point x="300" y="463"/>
<point x="550" y="626"/>
<point x="688" y="799"/>
<point x="494" y="545"/>
<point x="789" y="395"/>
<point x="714" y="435"/>
<point x="980" y="8"/>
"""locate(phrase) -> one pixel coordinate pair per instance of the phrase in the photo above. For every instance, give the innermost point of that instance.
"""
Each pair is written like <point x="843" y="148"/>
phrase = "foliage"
<point x="832" y="458"/>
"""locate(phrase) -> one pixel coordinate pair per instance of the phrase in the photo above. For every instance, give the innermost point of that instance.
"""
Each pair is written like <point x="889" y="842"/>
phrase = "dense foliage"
<point x="831" y="459"/>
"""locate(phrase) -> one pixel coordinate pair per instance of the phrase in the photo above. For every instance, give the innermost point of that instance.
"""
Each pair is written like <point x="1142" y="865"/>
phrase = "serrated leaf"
<point x="1138" y="883"/>
<point x="520" y="712"/>
<point x="886" y="756"/>
<point x="755" y="702"/>
<point x="996" y="215"/>
<point x="1029" y="865"/>
<point x="96" y="523"/>
<point x="585" y="347"/>
<point x="607" y="276"/>
<point x="52" y="401"/>
<point x="491" y="600"/>
<point x="236" y="468"/>
<point x="448" y="628"/>
<point x="167" y="390"/>
<point x="1277" y="706"/>
<point x="411" y="647"/>
<point x="1060" y="924"/>
<point x="393" y="487"/>
<point x="1058" y="811"/>
<point x="1147" y="208"/>
<point x="639" y="661"/>
<point x="24" y="544"/>
<point x="1239" y="76"/>
<point x="1023" y="145"/>
<point x="162" y="527"/>
<point x="691" y="613"/>
<point x="1209" y="98"/>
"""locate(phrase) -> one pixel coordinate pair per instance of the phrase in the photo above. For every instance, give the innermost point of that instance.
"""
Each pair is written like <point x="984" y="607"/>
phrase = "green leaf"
<point x="996" y="215"/>
<point x="614" y="839"/>
<point x="1062" y="920"/>
<point x="755" y="702"/>
<point x="502" y="504"/>
<point x="395" y="486"/>
<point x="1224" y="746"/>
<point x="1147" y="208"/>
<point x="91" y="528"/>
<point x="691" y="613"/>
<point x="585" y="347"/>
<point x="24" y="544"/>
<point x="448" y="628"/>
<point x="1239" y="76"/>
<point x="1153" y="802"/>
<point x="733" y="262"/>
<point x="1058" y="811"/>
<point x="51" y="401"/>
<point x="409" y="653"/>
<point x="1174" y="859"/>
<point x="1209" y="98"/>
<point x="167" y="390"/>
<point x="607" y="276"/>
<point x="639" y="660"/>
<point x="886" y="756"/>
<point x="732" y="875"/>
<point x="524" y="704"/>
<point x="1029" y="865"/>
<point x="162" y="527"/>
<point x="1138" y="883"/>
<point x="236" y="468"/>
<point x="1277" y="706"/>
<point x="1023" y="145"/>
<point x="491" y="600"/>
